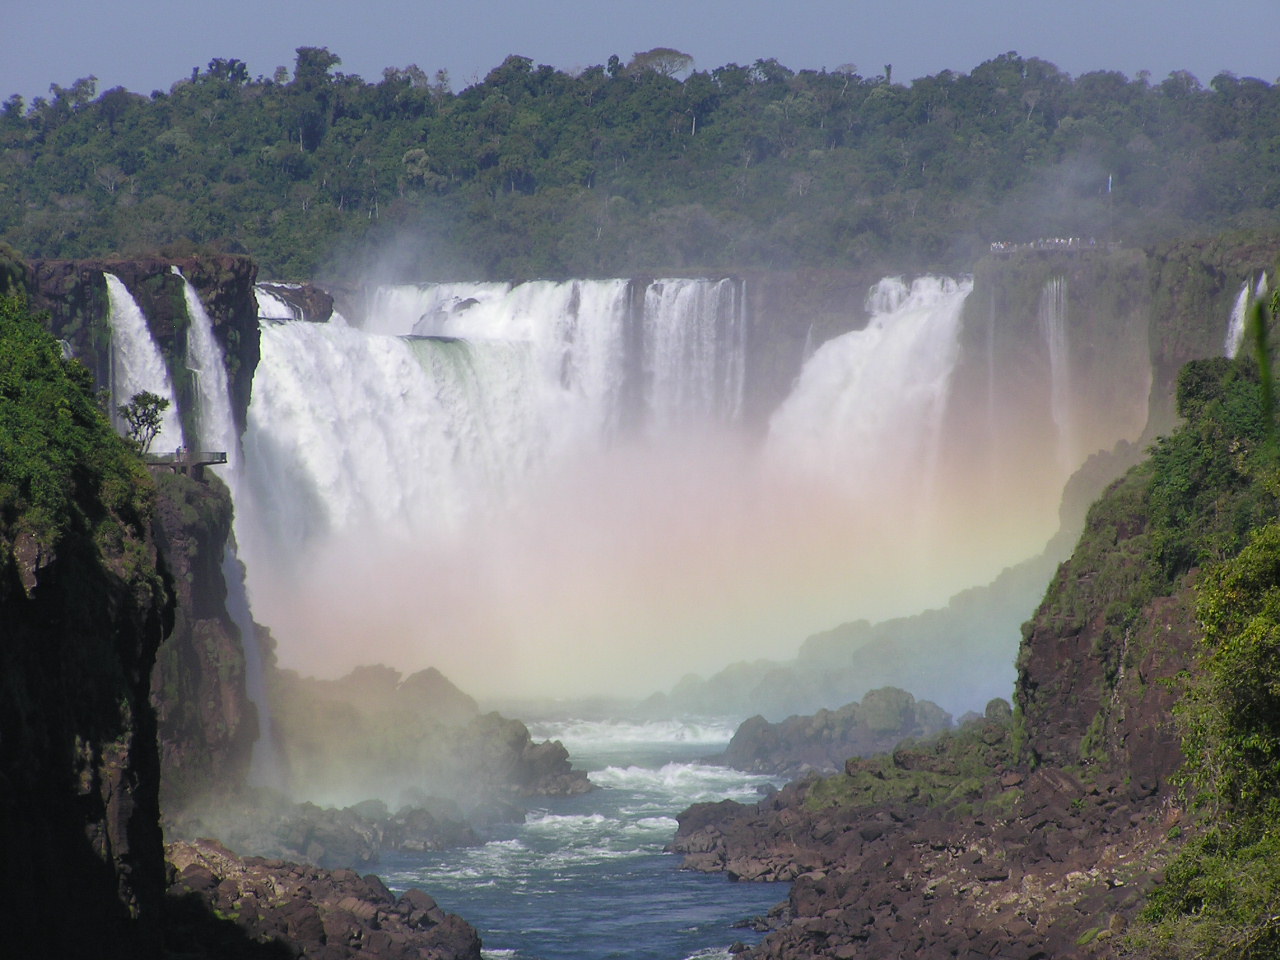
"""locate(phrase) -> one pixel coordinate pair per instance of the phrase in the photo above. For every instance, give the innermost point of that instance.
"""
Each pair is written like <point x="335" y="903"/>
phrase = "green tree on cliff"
<point x="57" y="449"/>
<point x="144" y="414"/>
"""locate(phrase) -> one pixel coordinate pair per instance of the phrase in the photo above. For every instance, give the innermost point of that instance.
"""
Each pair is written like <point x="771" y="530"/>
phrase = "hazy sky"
<point x="145" y="45"/>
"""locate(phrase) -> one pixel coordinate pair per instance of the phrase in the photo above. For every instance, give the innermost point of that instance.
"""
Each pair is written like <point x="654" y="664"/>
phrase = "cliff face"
<point x="83" y="606"/>
<point x="1095" y="666"/>
<point x="74" y="292"/>
<point x="1038" y="836"/>
<point x="207" y="724"/>
<point x="1193" y="284"/>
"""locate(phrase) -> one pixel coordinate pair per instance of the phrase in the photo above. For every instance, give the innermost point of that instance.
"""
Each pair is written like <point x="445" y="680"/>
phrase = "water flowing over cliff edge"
<point x="500" y="469"/>
<point x="519" y="471"/>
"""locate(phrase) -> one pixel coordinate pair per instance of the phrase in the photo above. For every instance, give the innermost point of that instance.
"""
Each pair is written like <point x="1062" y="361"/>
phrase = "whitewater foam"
<point x="580" y="735"/>
<point x="215" y="421"/>
<point x="136" y="364"/>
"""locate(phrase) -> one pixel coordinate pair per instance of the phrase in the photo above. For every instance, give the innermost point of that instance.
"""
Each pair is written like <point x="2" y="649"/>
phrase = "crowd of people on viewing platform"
<point x="1053" y="243"/>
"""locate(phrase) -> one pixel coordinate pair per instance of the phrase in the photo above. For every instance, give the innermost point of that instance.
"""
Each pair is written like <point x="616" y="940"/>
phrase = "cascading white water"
<point x="533" y="466"/>
<point x="695" y="349"/>
<point x="271" y="307"/>
<point x="1239" y="314"/>
<point x="1235" y="325"/>
<point x="136" y="363"/>
<point x="1052" y="317"/>
<point x="869" y="405"/>
<point x="395" y="436"/>
<point x="678" y="354"/>
<point x="215" y="422"/>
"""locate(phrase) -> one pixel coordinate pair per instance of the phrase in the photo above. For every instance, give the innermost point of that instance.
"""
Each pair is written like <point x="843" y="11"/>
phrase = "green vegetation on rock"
<point x="61" y="464"/>
<point x="953" y="770"/>
<point x="1221" y="895"/>
<point x="83" y="605"/>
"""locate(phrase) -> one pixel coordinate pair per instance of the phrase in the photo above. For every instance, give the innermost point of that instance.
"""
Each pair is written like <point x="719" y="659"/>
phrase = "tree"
<point x="143" y="413"/>
<point x="312" y="65"/>
<point x="663" y="60"/>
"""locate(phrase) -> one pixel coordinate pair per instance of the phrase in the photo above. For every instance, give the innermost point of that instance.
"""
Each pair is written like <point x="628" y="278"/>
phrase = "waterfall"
<point x="694" y="337"/>
<point x="271" y="307"/>
<point x="666" y="353"/>
<point x="544" y="485"/>
<point x="136" y="363"/>
<point x="215" y="422"/>
<point x="413" y="434"/>
<point x="216" y="431"/>
<point x="869" y="404"/>
<point x="1235" y="325"/>
<point x="1239" y="315"/>
<point x="265" y="767"/>
<point x="350" y="430"/>
<point x="1053" y="328"/>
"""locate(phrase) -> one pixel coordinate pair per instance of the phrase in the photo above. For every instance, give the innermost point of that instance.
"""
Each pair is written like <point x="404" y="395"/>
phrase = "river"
<point x="585" y="878"/>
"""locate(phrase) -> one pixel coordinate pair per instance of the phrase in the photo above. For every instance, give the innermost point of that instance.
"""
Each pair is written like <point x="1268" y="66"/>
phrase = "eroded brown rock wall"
<point x="80" y="842"/>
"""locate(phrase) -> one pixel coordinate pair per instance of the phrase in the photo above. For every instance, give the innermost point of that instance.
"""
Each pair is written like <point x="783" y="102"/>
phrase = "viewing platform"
<point x="1071" y="246"/>
<point x="190" y="462"/>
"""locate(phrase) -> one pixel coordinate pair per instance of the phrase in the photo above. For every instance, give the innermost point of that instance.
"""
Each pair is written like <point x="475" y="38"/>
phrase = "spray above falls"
<point x="555" y="479"/>
<point x="549" y="487"/>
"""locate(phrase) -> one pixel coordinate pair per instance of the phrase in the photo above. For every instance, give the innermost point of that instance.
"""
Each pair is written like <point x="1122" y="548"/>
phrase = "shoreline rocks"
<point x="316" y="913"/>
<point x="822" y="742"/>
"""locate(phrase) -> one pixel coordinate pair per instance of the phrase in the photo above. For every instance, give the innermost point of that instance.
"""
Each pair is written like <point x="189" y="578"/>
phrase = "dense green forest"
<point x="632" y="166"/>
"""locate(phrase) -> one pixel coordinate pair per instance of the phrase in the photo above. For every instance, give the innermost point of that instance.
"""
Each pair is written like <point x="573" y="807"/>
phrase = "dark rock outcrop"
<point x="308" y="301"/>
<point x="1015" y="863"/>
<point x="207" y="723"/>
<point x="822" y="742"/>
<point x="269" y="825"/>
<point x="317" y="913"/>
<point x="83" y="606"/>
<point x="372" y="734"/>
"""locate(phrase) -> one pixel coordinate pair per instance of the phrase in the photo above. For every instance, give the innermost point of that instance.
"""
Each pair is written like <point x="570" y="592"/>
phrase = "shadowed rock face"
<point x="83" y="607"/>
<point x="328" y="914"/>
<point x="207" y="723"/>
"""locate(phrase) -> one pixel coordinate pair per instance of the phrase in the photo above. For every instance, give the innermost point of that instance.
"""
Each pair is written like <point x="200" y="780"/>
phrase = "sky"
<point x="146" y="45"/>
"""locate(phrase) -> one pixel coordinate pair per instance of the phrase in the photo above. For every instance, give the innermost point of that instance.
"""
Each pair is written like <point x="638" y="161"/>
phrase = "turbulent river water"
<point x="585" y="878"/>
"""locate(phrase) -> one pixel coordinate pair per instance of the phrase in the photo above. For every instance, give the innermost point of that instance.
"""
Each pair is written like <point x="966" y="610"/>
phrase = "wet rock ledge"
<point x="315" y="913"/>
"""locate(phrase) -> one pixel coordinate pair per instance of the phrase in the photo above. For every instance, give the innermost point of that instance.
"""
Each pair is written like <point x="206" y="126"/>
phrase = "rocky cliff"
<point x="86" y="599"/>
<point x="1036" y="835"/>
<point x="207" y="723"/>
<point x="75" y="295"/>
<point x="84" y="604"/>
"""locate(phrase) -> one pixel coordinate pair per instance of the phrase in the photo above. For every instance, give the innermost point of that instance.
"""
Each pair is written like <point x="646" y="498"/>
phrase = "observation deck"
<point x="190" y="462"/>
<point x="1070" y="246"/>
